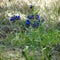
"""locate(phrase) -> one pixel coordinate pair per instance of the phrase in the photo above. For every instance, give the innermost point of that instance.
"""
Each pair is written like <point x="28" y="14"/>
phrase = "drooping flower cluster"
<point x="35" y="19"/>
<point x="30" y="16"/>
<point x="15" y="17"/>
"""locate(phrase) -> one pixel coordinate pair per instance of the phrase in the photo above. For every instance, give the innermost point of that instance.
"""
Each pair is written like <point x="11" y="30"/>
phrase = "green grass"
<point x="36" y="39"/>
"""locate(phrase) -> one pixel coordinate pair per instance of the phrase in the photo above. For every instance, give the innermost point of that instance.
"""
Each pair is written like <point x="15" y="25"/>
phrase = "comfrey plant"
<point x="33" y="20"/>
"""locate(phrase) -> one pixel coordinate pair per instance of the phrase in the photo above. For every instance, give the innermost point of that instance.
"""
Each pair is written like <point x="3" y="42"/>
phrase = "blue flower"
<point x="35" y="24"/>
<point x="27" y="22"/>
<point x="30" y="16"/>
<point x="12" y="18"/>
<point x="37" y="17"/>
<point x="17" y="17"/>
